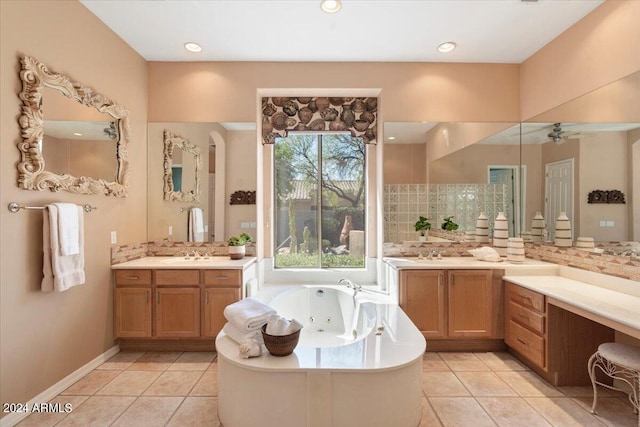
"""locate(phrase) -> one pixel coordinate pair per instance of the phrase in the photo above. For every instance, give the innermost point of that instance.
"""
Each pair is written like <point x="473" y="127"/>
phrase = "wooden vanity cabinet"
<point x="221" y="288"/>
<point x="454" y="305"/>
<point x="132" y="309"/>
<point x="525" y="324"/>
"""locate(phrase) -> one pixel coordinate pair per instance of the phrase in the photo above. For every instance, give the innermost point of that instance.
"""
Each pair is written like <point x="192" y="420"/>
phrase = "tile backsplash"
<point x="122" y="253"/>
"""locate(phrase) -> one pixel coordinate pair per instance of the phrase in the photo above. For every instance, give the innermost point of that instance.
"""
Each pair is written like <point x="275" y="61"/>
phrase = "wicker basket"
<point x="280" y="345"/>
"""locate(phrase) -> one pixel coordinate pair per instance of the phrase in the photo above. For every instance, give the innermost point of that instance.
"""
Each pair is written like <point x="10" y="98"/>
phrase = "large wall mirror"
<point x="453" y="170"/>
<point x="228" y="159"/>
<point x="588" y="144"/>
<point x="74" y="139"/>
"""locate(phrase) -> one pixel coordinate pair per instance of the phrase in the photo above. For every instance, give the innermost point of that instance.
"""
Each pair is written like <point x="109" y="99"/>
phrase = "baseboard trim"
<point x="14" y="418"/>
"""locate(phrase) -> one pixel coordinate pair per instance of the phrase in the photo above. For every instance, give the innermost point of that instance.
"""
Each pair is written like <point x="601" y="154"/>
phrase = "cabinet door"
<point x="470" y="304"/>
<point x="422" y="297"/>
<point x="132" y="312"/>
<point x="177" y="312"/>
<point x="215" y="300"/>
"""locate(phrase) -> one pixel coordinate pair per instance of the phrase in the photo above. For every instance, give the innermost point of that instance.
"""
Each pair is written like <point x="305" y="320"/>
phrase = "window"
<point x="320" y="201"/>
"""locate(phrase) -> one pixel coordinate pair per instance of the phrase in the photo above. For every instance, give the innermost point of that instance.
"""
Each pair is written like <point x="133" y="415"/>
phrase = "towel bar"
<point x="15" y="207"/>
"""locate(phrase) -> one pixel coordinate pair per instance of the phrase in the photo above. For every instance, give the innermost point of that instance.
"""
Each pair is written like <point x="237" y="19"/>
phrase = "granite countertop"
<point x="414" y="263"/>
<point x="179" y="263"/>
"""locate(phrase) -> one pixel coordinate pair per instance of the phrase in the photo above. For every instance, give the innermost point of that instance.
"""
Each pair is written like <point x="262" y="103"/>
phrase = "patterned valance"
<point x="356" y="115"/>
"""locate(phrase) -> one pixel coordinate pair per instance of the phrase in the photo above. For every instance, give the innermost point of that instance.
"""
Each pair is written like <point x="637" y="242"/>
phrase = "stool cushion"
<point x="621" y="354"/>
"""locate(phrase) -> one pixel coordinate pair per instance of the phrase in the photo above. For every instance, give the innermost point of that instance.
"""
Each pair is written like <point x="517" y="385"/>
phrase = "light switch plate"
<point x="611" y="224"/>
<point x="603" y="223"/>
<point x="244" y="225"/>
<point x="253" y="225"/>
<point x="114" y="238"/>
<point x="171" y="230"/>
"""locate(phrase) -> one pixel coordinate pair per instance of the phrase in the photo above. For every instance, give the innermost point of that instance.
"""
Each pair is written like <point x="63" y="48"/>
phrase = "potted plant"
<point x="448" y="224"/>
<point x="237" y="247"/>
<point x="422" y="226"/>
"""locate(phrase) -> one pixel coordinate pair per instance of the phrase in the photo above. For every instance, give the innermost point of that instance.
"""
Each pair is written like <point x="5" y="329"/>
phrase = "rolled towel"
<point x="278" y="325"/>
<point x="238" y="336"/>
<point x="249" y="348"/>
<point x="248" y="314"/>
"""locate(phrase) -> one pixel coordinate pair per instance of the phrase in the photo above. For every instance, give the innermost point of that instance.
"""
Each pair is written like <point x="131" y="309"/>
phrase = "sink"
<point x="192" y="261"/>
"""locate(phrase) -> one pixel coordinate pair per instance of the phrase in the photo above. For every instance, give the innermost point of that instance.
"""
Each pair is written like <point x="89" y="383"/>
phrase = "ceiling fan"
<point x="558" y="135"/>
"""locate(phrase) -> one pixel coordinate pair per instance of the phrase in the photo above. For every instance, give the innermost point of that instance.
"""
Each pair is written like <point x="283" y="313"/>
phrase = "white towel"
<point x="61" y="272"/>
<point x="248" y="314"/>
<point x="238" y="336"/>
<point x="196" y="225"/>
<point x="278" y="325"/>
<point x="68" y="228"/>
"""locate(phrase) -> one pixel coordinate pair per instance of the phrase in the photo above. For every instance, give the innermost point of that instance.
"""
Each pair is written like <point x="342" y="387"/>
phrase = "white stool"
<point x="621" y="362"/>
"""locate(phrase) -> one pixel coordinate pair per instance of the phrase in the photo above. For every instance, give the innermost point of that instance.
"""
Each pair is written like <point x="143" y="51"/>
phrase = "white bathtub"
<point x="355" y="365"/>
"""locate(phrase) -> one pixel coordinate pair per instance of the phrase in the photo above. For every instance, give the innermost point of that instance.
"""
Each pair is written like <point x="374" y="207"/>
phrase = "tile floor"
<point x="460" y="389"/>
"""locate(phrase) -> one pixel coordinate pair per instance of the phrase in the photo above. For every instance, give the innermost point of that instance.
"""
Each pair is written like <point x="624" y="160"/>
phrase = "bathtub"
<point x="358" y="363"/>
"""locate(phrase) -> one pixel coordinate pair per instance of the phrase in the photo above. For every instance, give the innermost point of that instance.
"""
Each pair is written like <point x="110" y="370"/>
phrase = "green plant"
<point x="239" y="240"/>
<point x="422" y="225"/>
<point x="448" y="224"/>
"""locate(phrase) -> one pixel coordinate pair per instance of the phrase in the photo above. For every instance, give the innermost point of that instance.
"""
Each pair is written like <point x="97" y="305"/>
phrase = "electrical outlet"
<point x="253" y="225"/>
<point x="611" y="224"/>
<point x="603" y="223"/>
<point x="171" y="230"/>
<point x="244" y="225"/>
<point x="114" y="238"/>
<point x="206" y="228"/>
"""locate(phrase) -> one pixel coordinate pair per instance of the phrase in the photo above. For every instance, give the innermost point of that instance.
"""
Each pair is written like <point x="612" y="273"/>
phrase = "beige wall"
<point x="405" y="164"/>
<point x="47" y="336"/>
<point x="241" y="174"/>
<point x="633" y="141"/>
<point x="56" y="154"/>
<point x="93" y="158"/>
<point x="470" y="166"/>
<point x="447" y="138"/>
<point x="534" y="175"/>
<point x="599" y="49"/>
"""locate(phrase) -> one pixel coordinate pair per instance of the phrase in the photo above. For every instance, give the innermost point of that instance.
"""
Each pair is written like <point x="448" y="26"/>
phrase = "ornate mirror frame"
<point x="35" y="77"/>
<point x="172" y="141"/>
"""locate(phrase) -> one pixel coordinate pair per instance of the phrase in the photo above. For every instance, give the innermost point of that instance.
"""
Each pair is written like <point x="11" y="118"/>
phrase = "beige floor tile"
<point x="149" y="412"/>
<point x="612" y="411"/>
<point x="442" y="384"/>
<point x="429" y="417"/>
<point x="121" y="361"/>
<point x="97" y="411"/>
<point x="512" y="412"/>
<point x="91" y="383"/>
<point x="193" y="361"/>
<point x="529" y="384"/>
<point x="207" y="385"/>
<point x="174" y="383"/>
<point x="562" y="411"/>
<point x="463" y="362"/>
<point x="485" y="384"/>
<point x="196" y="412"/>
<point x="432" y="362"/>
<point x="501" y="361"/>
<point x="460" y="411"/>
<point x="46" y="419"/>
<point x="587" y="391"/>
<point x="154" y="361"/>
<point x="129" y="383"/>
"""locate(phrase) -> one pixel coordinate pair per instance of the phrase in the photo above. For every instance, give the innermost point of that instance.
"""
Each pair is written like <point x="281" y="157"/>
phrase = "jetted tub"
<point x="358" y="363"/>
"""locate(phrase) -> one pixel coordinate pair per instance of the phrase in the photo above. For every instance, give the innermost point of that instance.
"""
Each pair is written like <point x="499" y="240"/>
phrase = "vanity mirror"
<point x="454" y="169"/>
<point x="590" y="143"/>
<point x="57" y="152"/>
<point x="181" y="169"/>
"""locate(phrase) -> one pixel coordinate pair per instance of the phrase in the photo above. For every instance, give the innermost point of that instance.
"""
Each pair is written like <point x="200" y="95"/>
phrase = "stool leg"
<point x="592" y="375"/>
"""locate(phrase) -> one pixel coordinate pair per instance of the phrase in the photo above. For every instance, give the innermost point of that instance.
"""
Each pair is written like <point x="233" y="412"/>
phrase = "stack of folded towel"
<point x="278" y="325"/>
<point x="245" y="318"/>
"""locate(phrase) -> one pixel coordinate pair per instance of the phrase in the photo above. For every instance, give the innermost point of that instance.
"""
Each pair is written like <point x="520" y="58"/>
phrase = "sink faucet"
<point x="196" y="254"/>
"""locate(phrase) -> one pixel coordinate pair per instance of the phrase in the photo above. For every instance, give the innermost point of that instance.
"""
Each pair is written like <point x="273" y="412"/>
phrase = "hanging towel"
<point x="61" y="272"/>
<point x="238" y="336"/>
<point x="196" y="225"/>
<point x="68" y="228"/>
<point x="248" y="314"/>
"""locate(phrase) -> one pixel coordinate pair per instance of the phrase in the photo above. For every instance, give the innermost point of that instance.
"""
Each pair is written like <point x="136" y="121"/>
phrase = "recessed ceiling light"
<point x="330" y="6"/>
<point x="391" y="138"/>
<point x="77" y="134"/>
<point x="193" y="47"/>
<point x="446" y="47"/>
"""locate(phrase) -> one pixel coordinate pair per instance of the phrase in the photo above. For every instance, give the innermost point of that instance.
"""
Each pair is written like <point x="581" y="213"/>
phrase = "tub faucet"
<point x="349" y="284"/>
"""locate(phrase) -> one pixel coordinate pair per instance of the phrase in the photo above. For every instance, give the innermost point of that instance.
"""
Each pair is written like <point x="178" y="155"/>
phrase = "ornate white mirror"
<point x="181" y="169"/>
<point x="73" y="148"/>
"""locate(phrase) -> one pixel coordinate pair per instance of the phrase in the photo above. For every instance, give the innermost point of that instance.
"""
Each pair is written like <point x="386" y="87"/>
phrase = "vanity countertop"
<point x="587" y="296"/>
<point x="179" y="263"/>
<point x="529" y="266"/>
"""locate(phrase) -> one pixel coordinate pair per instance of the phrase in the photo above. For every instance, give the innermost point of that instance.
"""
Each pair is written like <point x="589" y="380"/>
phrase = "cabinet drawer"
<point x="177" y="277"/>
<point x="225" y="278"/>
<point x="525" y="297"/>
<point x="526" y="343"/>
<point x="133" y="277"/>
<point x="526" y="317"/>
